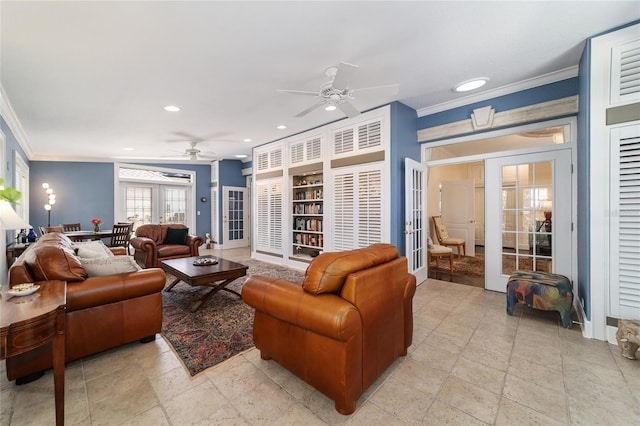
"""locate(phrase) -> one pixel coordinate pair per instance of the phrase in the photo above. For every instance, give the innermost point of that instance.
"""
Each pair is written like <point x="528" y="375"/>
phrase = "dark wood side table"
<point x="14" y="251"/>
<point x="27" y="322"/>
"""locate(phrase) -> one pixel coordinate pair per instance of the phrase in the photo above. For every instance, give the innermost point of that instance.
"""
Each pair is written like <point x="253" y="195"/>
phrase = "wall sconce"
<point x="51" y="200"/>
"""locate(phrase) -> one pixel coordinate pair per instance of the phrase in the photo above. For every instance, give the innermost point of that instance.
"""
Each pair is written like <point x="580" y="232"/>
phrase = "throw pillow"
<point x="101" y="266"/>
<point x="429" y="243"/>
<point x="176" y="236"/>
<point x="92" y="249"/>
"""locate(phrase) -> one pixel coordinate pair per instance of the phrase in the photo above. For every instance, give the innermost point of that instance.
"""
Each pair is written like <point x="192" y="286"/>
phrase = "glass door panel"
<point x="528" y="221"/>
<point x="526" y="237"/>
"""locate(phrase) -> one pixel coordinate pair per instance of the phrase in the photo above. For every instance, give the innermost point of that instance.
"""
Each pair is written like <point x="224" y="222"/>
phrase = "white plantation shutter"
<point x="275" y="158"/>
<point x="369" y="135"/>
<point x="343" y="205"/>
<point x="302" y="152"/>
<point x="625" y="73"/>
<point x="625" y="230"/>
<point x="343" y="141"/>
<point x="262" y="162"/>
<point x="314" y="149"/>
<point x="369" y="208"/>
<point x="269" y="216"/>
<point x="358" y="216"/>
<point x="296" y="153"/>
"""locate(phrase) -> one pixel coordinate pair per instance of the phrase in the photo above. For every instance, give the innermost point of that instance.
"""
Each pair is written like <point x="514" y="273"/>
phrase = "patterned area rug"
<point x="474" y="266"/>
<point x="222" y="327"/>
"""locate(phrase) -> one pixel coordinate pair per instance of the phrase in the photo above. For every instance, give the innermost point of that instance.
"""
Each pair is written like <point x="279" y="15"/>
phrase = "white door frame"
<point x="415" y="223"/>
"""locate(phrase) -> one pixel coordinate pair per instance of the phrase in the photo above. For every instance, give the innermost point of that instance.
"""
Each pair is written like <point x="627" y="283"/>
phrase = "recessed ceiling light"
<point x="282" y="127"/>
<point x="468" y="85"/>
<point x="172" y="108"/>
<point x="127" y="149"/>
<point x="246" y="140"/>
<point x="241" y="156"/>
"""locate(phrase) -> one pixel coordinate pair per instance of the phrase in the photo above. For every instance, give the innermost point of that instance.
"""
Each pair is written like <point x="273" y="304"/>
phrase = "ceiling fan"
<point x="193" y="153"/>
<point x="336" y="93"/>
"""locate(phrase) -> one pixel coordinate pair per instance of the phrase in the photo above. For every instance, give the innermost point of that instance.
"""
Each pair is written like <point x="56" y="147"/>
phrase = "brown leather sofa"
<point x="102" y="312"/>
<point x="340" y="330"/>
<point x="151" y="247"/>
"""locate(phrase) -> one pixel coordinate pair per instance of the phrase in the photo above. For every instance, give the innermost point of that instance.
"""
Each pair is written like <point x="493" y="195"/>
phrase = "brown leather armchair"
<point x="340" y="330"/>
<point x="151" y="245"/>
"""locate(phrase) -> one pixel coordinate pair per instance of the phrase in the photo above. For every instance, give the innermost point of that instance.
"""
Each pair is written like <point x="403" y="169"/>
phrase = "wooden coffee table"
<point x="217" y="276"/>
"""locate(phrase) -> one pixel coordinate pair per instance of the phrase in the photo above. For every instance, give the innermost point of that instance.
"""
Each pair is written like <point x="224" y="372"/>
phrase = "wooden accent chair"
<point x="442" y="234"/>
<point x="121" y="235"/>
<point x="71" y="227"/>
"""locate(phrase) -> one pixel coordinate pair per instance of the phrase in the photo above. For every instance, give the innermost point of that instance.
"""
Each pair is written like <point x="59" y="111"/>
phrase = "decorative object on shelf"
<point x="31" y="236"/>
<point x="51" y="200"/>
<point x="96" y="224"/>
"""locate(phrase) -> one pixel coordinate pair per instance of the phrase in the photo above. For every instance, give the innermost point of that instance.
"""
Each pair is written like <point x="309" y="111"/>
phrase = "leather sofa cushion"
<point x="53" y="261"/>
<point x="170" y="250"/>
<point x="328" y="272"/>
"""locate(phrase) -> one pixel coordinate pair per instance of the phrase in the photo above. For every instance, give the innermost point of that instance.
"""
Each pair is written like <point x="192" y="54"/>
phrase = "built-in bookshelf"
<point x="307" y="210"/>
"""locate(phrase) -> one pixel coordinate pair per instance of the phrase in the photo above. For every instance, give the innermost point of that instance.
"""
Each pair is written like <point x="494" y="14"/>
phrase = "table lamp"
<point x="9" y="219"/>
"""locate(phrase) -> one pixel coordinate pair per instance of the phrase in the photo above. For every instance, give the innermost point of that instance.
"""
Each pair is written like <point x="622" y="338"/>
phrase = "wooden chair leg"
<point x="451" y="261"/>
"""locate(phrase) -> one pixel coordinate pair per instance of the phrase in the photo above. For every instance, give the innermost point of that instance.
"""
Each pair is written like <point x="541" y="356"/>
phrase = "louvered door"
<point x="268" y="216"/>
<point x="625" y="222"/>
<point x="359" y="216"/>
<point x="625" y="73"/>
<point x="306" y="151"/>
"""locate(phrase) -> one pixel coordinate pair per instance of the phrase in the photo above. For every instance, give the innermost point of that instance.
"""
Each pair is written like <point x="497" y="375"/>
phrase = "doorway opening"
<point x="455" y="193"/>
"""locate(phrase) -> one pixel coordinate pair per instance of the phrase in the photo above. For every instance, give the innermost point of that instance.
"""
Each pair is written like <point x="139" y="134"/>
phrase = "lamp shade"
<point x="9" y="219"/>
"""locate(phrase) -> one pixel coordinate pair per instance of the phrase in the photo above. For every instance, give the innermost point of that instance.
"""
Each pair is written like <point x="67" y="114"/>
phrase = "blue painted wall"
<point x="85" y="190"/>
<point x="404" y="143"/>
<point x="230" y="174"/>
<point x="584" y="179"/>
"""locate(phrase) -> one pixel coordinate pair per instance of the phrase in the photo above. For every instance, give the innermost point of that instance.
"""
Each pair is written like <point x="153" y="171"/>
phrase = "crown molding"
<point x="504" y="90"/>
<point x="10" y="117"/>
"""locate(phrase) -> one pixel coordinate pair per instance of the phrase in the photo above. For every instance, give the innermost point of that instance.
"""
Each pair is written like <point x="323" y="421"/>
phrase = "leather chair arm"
<point x="326" y="314"/>
<point x="98" y="291"/>
<point x="194" y="242"/>
<point x="143" y="243"/>
<point x="145" y="251"/>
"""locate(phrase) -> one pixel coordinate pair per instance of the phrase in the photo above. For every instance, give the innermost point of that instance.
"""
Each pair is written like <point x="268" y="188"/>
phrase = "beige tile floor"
<point x="470" y="364"/>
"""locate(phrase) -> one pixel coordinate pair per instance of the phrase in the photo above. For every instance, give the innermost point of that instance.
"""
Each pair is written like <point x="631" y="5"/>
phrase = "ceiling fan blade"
<point x="348" y="109"/>
<point x="344" y="75"/>
<point x="297" y="92"/>
<point x="311" y="108"/>
<point x="388" y="89"/>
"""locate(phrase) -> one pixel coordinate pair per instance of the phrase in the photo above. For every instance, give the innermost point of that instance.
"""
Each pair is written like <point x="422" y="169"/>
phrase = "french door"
<point x="235" y="208"/>
<point x="416" y="226"/>
<point x="528" y="220"/>
<point x="152" y="203"/>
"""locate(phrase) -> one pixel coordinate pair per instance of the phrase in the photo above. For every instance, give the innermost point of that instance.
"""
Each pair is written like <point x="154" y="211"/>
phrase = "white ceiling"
<point x="88" y="79"/>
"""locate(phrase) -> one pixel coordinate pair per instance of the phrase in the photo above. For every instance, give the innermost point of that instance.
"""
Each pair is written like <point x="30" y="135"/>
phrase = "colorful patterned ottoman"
<point x="541" y="290"/>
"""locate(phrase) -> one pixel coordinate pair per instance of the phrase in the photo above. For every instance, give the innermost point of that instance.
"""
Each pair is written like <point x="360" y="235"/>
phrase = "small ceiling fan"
<point x="336" y="93"/>
<point x="193" y="153"/>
